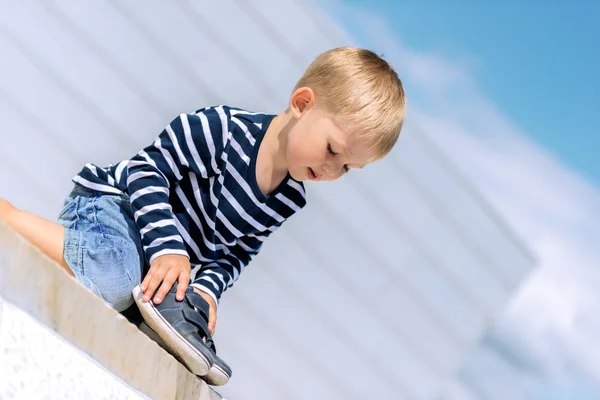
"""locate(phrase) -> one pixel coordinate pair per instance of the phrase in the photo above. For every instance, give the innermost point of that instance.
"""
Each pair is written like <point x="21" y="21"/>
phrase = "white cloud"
<point x="552" y="320"/>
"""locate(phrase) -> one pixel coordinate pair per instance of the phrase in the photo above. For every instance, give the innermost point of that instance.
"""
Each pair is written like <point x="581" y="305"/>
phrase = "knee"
<point x="118" y="292"/>
<point x="119" y="298"/>
<point x="112" y="264"/>
<point x="123" y="302"/>
<point x="117" y="295"/>
<point x="115" y="273"/>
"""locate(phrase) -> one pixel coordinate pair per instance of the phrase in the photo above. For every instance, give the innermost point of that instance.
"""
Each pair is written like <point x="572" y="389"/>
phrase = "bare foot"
<point x="212" y="318"/>
<point x="5" y="208"/>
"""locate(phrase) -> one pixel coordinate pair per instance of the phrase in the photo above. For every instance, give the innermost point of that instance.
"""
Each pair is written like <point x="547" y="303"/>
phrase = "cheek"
<point x="296" y="148"/>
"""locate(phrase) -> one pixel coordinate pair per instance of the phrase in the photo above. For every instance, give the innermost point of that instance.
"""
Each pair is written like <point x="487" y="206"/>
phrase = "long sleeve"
<point x="190" y="143"/>
<point x="218" y="276"/>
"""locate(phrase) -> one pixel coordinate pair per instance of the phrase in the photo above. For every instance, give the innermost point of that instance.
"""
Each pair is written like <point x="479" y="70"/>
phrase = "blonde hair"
<point x="363" y="91"/>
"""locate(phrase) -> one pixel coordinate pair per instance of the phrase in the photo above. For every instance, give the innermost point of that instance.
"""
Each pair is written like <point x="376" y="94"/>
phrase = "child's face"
<point x="319" y="149"/>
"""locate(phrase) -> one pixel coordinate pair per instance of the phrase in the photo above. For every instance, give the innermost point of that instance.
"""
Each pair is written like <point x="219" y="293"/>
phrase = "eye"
<point x="330" y="150"/>
<point x="333" y="153"/>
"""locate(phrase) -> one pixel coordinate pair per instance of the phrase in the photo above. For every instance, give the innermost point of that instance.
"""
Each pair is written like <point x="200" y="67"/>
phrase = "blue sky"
<point x="513" y="109"/>
<point x="538" y="61"/>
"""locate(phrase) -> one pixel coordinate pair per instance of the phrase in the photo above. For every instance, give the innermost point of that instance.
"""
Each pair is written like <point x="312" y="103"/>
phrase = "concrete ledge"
<point x="31" y="282"/>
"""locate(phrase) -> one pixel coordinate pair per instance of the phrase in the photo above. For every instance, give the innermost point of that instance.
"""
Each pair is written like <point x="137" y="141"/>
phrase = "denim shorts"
<point x="102" y="244"/>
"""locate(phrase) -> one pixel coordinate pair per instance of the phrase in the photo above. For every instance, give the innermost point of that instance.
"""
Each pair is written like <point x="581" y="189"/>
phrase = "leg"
<point x="46" y="235"/>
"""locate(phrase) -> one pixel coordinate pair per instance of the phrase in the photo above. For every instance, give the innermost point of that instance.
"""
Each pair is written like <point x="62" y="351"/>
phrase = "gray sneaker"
<point x="220" y="372"/>
<point x="184" y="334"/>
<point x="182" y="326"/>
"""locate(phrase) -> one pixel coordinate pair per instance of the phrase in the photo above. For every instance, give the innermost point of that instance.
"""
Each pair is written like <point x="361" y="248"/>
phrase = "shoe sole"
<point x="217" y="376"/>
<point x="187" y="354"/>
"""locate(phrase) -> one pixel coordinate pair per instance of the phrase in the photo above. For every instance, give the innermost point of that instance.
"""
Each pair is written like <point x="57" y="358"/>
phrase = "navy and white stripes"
<point x="194" y="192"/>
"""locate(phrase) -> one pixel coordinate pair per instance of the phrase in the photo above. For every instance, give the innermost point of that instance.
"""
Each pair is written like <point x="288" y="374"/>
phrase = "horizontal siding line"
<point x="471" y="246"/>
<point x="419" y="246"/>
<point x="39" y="125"/>
<point x="289" y="343"/>
<point x="112" y="128"/>
<point x="265" y="373"/>
<point x="304" y="243"/>
<point x="276" y="36"/>
<point x="44" y="192"/>
<point x="392" y="276"/>
<point x="126" y="78"/>
<point x="324" y="321"/>
<point x="268" y="92"/>
<point x="475" y="194"/>
<point x="313" y="11"/>
<point x="155" y="41"/>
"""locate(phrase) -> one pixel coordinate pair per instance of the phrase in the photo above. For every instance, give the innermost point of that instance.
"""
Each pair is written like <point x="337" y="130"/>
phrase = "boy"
<point x="199" y="201"/>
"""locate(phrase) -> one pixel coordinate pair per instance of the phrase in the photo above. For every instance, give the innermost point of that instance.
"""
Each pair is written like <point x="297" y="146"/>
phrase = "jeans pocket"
<point x="68" y="214"/>
<point x="112" y="263"/>
<point x="122" y="253"/>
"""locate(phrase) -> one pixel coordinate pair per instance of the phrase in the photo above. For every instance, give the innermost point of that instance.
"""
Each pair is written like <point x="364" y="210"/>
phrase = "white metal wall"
<point x="376" y="290"/>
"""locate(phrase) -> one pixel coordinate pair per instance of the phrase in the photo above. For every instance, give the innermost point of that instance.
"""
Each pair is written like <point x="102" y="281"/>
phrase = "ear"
<point x="301" y="100"/>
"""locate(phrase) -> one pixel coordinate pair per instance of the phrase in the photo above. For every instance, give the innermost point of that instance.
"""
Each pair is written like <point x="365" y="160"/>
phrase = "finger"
<point x="151" y="272"/>
<point x="183" y="282"/>
<point x="156" y="279"/>
<point x="167" y="284"/>
<point x="146" y="280"/>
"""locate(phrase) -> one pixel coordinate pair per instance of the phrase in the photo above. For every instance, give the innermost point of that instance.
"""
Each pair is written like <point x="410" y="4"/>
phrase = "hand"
<point x="166" y="269"/>
<point x="212" y="314"/>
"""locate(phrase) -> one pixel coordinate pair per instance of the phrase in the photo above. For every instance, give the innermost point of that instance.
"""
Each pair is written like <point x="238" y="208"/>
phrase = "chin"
<point x="301" y="178"/>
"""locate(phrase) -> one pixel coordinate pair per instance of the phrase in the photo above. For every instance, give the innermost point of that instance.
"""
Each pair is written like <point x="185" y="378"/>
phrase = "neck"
<point x="275" y="142"/>
<point x="271" y="164"/>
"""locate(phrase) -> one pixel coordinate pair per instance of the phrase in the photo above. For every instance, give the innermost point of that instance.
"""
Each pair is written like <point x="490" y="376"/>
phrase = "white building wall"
<point x="37" y="363"/>
<point x="377" y="289"/>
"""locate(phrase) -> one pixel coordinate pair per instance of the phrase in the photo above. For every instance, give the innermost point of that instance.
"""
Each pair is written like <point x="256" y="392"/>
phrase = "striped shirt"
<point x="194" y="192"/>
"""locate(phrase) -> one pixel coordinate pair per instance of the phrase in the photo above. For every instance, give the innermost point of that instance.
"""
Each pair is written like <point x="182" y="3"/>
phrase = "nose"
<point x="331" y="169"/>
